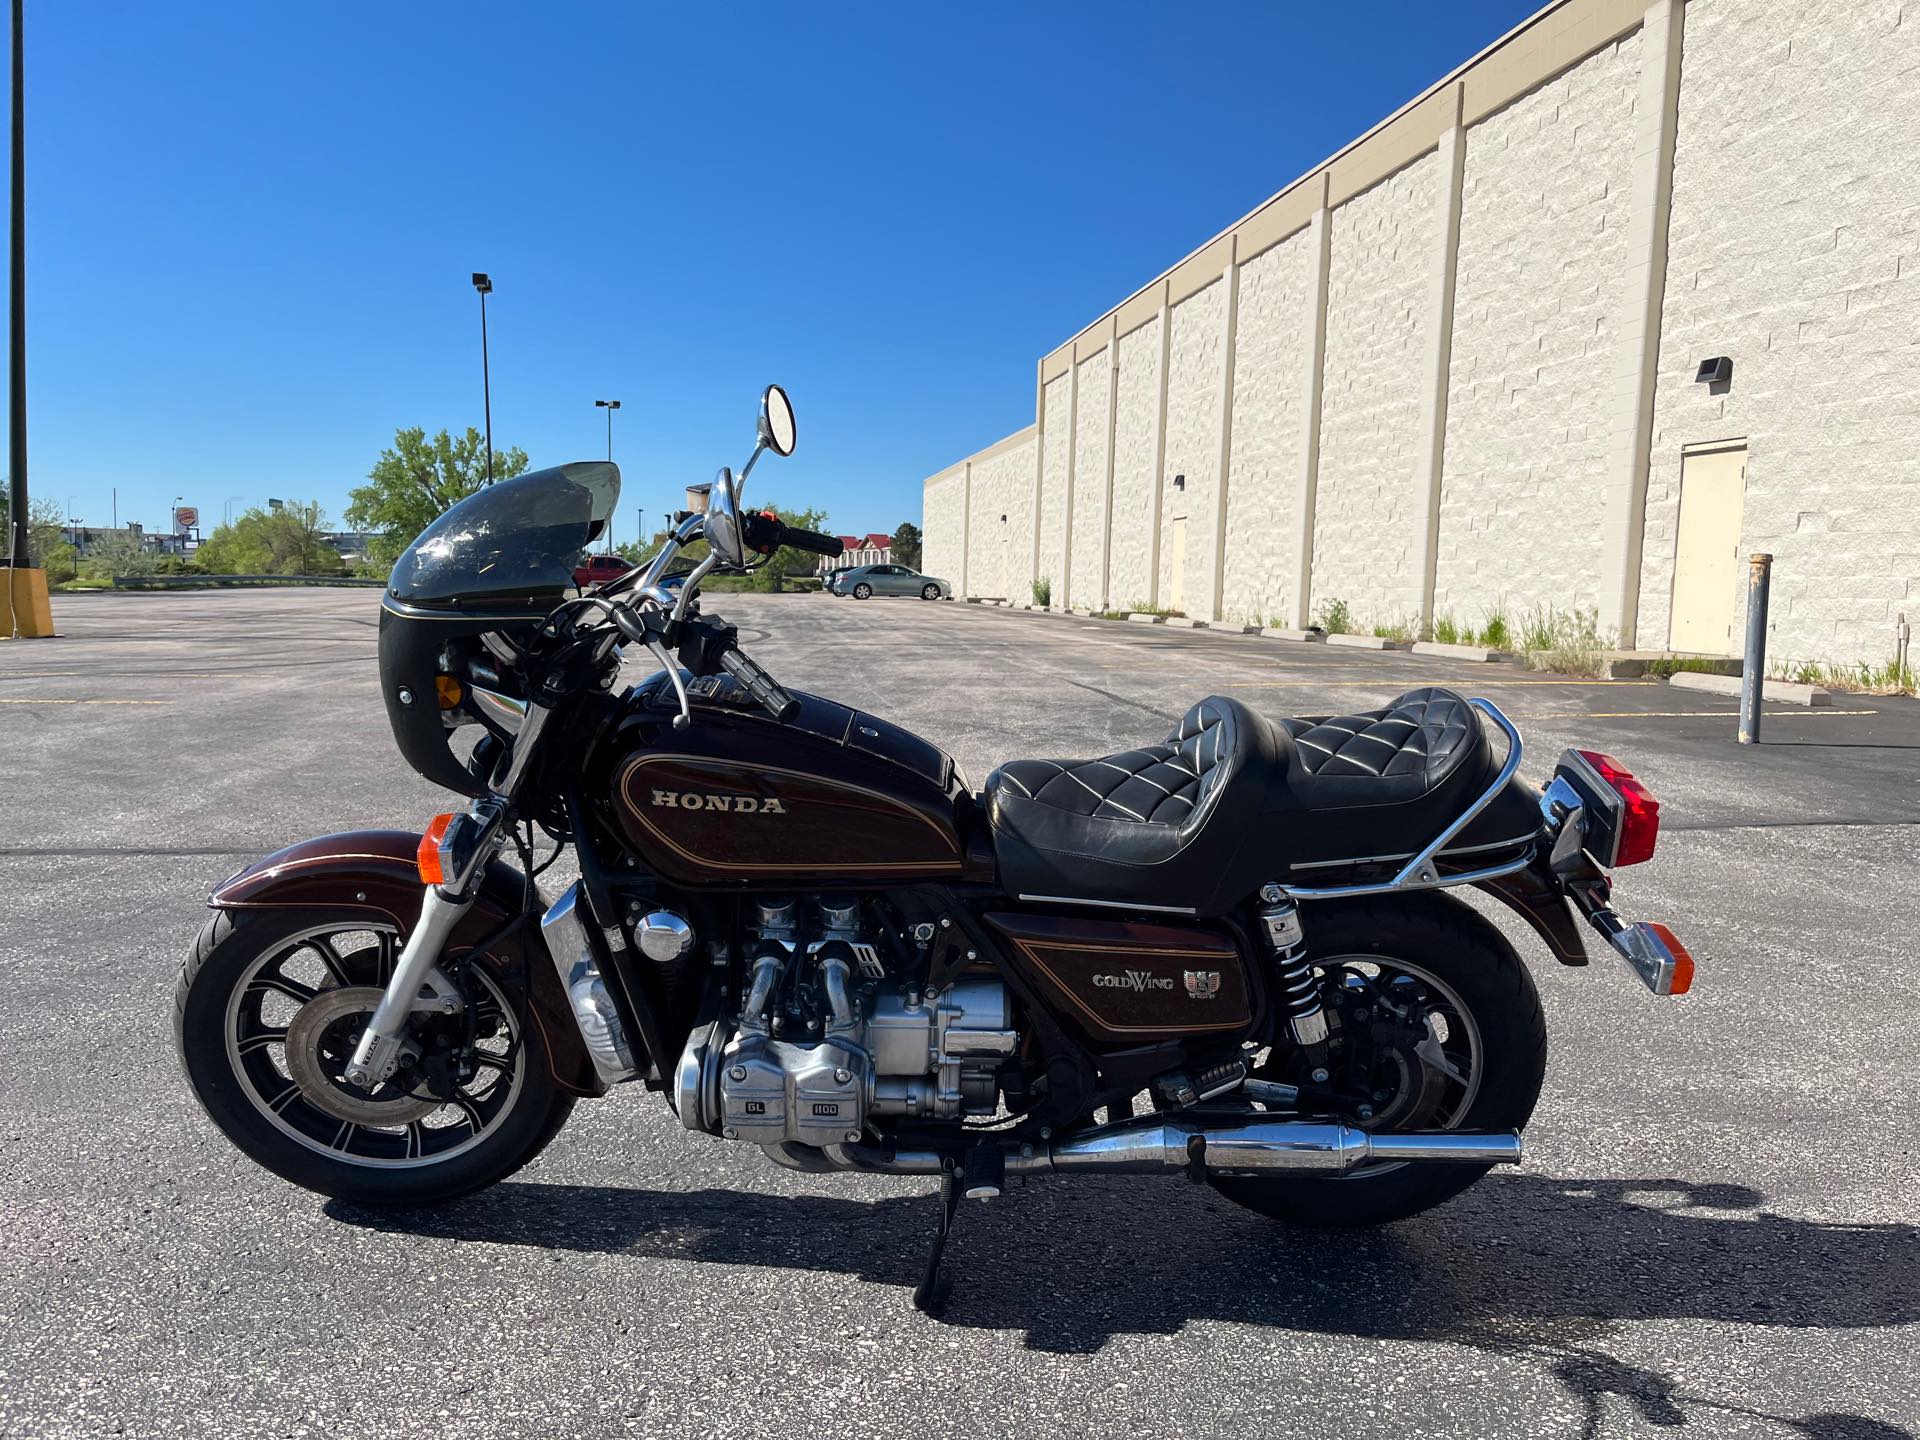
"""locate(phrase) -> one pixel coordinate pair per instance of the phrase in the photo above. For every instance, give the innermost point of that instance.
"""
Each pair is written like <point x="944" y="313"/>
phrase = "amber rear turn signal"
<point x="1682" y="961"/>
<point x="432" y="865"/>
<point x="449" y="691"/>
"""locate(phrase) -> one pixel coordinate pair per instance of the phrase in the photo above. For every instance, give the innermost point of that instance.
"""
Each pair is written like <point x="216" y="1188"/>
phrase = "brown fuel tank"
<point x="831" y="797"/>
<point x="1132" y="981"/>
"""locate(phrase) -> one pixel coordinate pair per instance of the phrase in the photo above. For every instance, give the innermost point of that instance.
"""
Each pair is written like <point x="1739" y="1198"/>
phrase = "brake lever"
<point x="672" y="667"/>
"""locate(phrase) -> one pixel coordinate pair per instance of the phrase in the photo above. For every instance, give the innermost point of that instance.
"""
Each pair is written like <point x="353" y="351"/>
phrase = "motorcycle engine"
<point x="826" y="1038"/>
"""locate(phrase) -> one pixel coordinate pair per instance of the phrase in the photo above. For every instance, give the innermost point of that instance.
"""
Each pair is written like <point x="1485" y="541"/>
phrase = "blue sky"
<point x="251" y="225"/>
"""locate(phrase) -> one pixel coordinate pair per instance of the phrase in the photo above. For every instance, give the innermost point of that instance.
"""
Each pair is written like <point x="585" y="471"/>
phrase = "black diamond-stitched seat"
<point x="1230" y="799"/>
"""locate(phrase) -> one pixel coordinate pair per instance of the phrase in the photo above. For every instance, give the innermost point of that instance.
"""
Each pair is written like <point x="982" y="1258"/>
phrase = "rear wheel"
<point x="1434" y="1025"/>
<point x="863" y="591"/>
<point x="268" y="1011"/>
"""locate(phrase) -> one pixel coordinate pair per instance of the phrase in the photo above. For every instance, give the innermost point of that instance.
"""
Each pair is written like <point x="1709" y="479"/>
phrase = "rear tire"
<point x="1462" y="950"/>
<point x="249" y="1082"/>
<point x="863" y="591"/>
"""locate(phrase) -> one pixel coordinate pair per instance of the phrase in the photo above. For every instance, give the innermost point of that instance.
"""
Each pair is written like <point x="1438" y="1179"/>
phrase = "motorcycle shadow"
<point x="1520" y="1262"/>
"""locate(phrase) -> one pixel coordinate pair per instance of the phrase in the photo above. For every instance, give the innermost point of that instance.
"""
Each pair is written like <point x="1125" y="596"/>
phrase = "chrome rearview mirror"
<point x="722" y="527"/>
<point x="776" y="421"/>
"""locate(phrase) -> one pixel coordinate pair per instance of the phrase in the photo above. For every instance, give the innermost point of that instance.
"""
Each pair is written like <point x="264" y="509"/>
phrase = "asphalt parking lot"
<point x="1714" y="1229"/>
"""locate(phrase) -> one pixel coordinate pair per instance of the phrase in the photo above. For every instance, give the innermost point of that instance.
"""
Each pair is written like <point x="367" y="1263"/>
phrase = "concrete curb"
<point x="1458" y="652"/>
<point x="1183" y="622"/>
<point x="1783" y="691"/>
<point x="1366" y="642"/>
<point x="1227" y="627"/>
<point x="1308" y="637"/>
<point x="1140" y="617"/>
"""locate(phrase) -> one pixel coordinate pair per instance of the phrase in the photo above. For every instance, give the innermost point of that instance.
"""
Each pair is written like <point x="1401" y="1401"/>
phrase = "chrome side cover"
<point x="593" y="1008"/>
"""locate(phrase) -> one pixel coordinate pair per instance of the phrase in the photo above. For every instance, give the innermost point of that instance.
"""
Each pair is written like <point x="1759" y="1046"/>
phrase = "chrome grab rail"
<point x="1420" y="873"/>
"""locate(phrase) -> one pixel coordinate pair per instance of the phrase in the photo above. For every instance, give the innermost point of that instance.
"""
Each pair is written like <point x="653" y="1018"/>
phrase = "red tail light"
<point x="1639" y="811"/>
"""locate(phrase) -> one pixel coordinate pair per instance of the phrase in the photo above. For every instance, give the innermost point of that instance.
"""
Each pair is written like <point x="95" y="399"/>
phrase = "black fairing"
<point x="498" y="561"/>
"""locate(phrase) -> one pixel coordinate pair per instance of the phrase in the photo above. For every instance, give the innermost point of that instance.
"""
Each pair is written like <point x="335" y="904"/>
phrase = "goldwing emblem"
<point x="1203" y="984"/>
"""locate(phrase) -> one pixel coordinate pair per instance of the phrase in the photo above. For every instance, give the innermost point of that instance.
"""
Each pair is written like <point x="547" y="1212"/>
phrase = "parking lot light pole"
<point x="484" y="285"/>
<point x="610" y="406"/>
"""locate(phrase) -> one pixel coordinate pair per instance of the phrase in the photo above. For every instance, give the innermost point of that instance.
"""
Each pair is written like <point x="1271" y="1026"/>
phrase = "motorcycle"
<point x="1228" y="953"/>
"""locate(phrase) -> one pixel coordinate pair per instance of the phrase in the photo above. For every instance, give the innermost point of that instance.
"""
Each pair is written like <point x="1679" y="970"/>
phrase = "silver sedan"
<point x="863" y="582"/>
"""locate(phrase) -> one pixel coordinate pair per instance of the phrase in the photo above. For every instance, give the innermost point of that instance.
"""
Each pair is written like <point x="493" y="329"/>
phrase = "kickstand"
<point x="931" y="1296"/>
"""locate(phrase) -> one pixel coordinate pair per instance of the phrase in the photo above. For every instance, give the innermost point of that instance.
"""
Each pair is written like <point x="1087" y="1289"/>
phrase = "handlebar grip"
<point x="812" y="540"/>
<point x="760" y="685"/>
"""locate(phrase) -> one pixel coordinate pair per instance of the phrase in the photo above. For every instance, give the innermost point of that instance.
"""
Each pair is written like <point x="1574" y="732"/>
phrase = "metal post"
<point x="483" y="285"/>
<point x="1902" y="642"/>
<point x="1753" y="669"/>
<point x="17" y="321"/>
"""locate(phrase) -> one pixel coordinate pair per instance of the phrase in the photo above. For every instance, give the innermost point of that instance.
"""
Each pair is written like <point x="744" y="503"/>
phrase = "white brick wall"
<point x="1794" y="248"/>
<point x="1370" y="406"/>
<point x="1136" y="418"/>
<point x="1268" y="422"/>
<point x="1540" y="280"/>
<point x="1002" y="485"/>
<point x="1090" y="481"/>
<point x="1058" y="400"/>
<point x="1193" y="439"/>
<point x="942" y="508"/>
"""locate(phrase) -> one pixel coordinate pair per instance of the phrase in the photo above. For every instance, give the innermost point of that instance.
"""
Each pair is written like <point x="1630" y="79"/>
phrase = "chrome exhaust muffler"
<point x="1256" y="1146"/>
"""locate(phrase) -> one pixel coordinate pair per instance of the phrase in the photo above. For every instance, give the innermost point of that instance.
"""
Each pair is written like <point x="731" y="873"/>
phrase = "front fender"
<point x="373" y="873"/>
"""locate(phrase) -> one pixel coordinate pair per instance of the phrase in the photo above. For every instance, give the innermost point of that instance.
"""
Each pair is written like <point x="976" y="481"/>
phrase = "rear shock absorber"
<point x="1299" y="994"/>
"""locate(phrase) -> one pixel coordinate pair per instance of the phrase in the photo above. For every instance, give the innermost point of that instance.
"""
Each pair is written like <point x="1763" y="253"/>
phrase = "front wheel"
<point x="1434" y="1025"/>
<point x="863" y="591"/>
<point x="268" y="1011"/>
<point x="929" y="592"/>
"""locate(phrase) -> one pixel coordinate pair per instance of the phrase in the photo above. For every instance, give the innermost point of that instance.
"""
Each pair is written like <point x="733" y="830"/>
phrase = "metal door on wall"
<point x="1706" y="555"/>
<point x="1177" y="566"/>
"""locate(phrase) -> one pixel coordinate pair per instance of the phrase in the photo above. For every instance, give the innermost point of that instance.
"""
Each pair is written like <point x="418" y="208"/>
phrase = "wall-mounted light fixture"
<point x="1003" y="519"/>
<point x="1179" y="482"/>
<point x="1716" y="374"/>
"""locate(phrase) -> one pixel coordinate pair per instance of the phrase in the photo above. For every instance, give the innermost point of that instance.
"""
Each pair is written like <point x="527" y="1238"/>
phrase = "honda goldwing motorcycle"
<point x="1227" y="954"/>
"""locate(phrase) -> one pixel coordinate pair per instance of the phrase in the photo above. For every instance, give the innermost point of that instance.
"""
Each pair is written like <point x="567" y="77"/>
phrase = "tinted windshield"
<point x="522" y="537"/>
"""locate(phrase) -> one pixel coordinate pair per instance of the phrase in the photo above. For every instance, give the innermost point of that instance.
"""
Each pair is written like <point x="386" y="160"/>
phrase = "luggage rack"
<point x="1422" y="870"/>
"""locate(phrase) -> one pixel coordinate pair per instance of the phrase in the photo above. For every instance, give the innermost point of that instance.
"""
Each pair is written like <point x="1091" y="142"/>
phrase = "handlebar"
<point x="760" y="685"/>
<point x="766" y="533"/>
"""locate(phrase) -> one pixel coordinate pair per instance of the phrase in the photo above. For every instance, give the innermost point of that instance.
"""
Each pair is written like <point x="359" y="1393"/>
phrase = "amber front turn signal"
<point x="431" y="859"/>
<point x="449" y="691"/>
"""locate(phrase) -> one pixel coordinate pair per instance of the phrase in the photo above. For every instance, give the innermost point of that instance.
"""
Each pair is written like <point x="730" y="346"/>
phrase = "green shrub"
<point x="1335" y="618"/>
<point x="1568" y="642"/>
<point x="1401" y="630"/>
<point x="1447" y="630"/>
<point x="1496" y="634"/>
<point x="1043" y="592"/>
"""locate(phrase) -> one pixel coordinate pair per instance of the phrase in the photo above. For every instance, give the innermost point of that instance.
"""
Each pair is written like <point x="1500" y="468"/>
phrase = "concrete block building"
<point x="1630" y="295"/>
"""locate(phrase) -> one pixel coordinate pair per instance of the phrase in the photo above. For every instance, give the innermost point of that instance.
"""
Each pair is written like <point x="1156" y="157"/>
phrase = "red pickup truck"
<point x="598" y="569"/>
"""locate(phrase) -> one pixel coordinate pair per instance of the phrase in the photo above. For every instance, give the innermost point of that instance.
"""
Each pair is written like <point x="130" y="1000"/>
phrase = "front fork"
<point x="455" y="854"/>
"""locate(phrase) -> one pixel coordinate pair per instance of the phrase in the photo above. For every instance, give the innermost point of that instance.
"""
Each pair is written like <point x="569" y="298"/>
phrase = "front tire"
<point x="268" y="1006"/>
<point x="1469" y="963"/>
<point x="929" y="592"/>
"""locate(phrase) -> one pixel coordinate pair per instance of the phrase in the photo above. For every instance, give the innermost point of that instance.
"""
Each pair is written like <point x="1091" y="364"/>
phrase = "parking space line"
<point x="24" y="701"/>
<point x="1796" y="714"/>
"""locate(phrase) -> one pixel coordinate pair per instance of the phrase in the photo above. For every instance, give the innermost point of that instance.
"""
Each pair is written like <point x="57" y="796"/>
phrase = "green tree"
<point x="48" y="547"/>
<point x="272" y="542"/>
<point x="906" y="545"/>
<point x="122" y="553"/>
<point x="415" y="479"/>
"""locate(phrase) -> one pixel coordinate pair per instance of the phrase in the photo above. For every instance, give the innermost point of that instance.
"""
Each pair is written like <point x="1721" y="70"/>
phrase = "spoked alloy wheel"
<point x="863" y="591"/>
<point x="269" y="1012"/>
<point x="1434" y="1025"/>
<point x="929" y="592"/>
<point x="293" y="1022"/>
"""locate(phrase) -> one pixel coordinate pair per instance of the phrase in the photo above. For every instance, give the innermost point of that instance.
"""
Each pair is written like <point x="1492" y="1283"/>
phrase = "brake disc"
<point x="319" y="1044"/>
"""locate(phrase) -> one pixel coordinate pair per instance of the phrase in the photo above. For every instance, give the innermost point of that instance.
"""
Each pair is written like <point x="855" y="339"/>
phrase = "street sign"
<point x="185" y="517"/>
